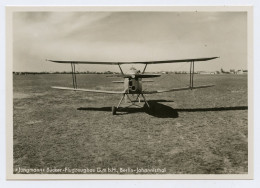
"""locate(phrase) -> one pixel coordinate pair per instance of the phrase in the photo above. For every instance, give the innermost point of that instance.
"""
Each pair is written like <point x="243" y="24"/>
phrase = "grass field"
<point x="190" y="132"/>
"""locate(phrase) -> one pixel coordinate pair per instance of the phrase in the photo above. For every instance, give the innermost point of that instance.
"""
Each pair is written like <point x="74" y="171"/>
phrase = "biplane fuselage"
<point x="133" y="84"/>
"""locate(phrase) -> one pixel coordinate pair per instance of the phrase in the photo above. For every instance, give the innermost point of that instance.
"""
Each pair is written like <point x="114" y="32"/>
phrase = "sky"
<point x="129" y="36"/>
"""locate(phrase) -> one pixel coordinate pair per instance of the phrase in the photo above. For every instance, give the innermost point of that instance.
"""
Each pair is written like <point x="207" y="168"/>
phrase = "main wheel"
<point x="113" y="110"/>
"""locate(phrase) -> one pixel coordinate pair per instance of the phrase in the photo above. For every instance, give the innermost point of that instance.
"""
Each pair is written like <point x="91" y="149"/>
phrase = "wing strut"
<point x="74" y="77"/>
<point x="120" y="69"/>
<point x="191" y="74"/>
<point x="144" y="68"/>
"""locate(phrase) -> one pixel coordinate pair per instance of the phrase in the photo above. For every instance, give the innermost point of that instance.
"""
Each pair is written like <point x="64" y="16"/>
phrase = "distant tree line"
<point x="231" y="71"/>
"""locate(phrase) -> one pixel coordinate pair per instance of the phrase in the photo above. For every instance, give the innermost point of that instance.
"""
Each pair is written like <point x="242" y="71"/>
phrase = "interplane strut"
<point x="191" y="74"/>
<point x="74" y="77"/>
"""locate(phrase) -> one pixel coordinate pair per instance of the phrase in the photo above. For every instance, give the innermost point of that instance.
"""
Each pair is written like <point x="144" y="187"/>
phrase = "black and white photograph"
<point x="129" y="93"/>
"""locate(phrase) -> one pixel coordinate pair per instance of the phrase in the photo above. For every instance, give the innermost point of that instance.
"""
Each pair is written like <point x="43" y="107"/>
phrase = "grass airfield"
<point x="201" y="131"/>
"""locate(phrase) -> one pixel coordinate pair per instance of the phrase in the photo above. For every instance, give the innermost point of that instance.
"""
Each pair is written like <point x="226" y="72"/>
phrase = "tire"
<point x="113" y="110"/>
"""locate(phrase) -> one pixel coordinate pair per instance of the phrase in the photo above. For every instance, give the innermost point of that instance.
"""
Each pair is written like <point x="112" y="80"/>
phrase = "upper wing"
<point x="90" y="90"/>
<point x="136" y="62"/>
<point x="176" y="89"/>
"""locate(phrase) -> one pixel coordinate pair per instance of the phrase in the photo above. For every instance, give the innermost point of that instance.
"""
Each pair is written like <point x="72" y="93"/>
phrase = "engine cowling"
<point x="133" y="85"/>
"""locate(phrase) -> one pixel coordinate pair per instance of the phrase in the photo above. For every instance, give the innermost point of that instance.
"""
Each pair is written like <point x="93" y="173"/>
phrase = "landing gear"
<point x="114" y="110"/>
<point x="132" y="102"/>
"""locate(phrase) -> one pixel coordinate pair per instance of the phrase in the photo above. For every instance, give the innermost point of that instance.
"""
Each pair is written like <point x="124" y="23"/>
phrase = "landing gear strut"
<point x="132" y="103"/>
<point x="114" y="110"/>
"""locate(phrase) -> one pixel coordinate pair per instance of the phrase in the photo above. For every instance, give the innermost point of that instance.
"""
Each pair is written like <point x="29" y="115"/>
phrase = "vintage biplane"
<point x="133" y="80"/>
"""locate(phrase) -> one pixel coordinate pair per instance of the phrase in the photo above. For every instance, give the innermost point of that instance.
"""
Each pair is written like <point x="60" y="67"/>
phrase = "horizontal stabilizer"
<point x="177" y="89"/>
<point x="89" y="90"/>
<point x="147" y="75"/>
<point x="136" y="75"/>
<point x="147" y="81"/>
<point x="117" y="81"/>
<point x="123" y="81"/>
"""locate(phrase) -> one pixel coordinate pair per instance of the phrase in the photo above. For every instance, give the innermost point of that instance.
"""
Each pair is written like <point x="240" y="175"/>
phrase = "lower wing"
<point x="177" y="89"/>
<point x="89" y="90"/>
